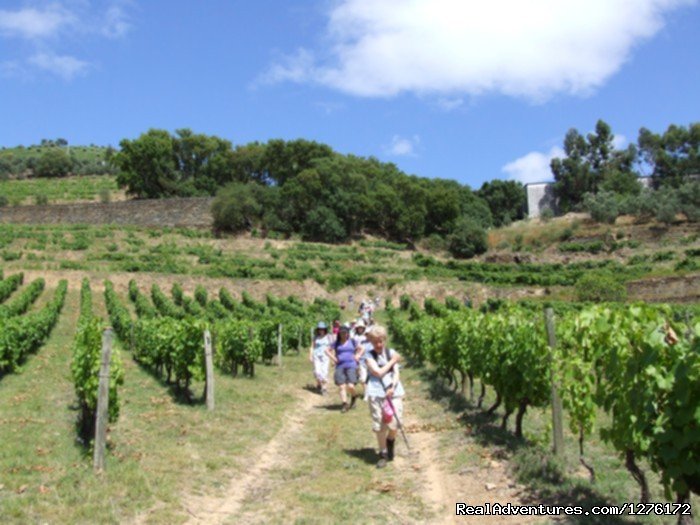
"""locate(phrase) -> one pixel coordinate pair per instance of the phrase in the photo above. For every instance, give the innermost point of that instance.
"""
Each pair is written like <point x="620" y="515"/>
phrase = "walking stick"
<point x="396" y="415"/>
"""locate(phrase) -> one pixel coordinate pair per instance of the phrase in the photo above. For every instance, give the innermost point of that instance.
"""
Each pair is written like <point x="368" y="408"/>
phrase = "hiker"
<point x="318" y="356"/>
<point x="336" y="327"/>
<point x="345" y="355"/>
<point x="367" y="310"/>
<point x="385" y="393"/>
<point x="360" y="336"/>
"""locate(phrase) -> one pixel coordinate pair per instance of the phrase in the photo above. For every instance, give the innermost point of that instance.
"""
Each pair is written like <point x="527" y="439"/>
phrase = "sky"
<point x="461" y="89"/>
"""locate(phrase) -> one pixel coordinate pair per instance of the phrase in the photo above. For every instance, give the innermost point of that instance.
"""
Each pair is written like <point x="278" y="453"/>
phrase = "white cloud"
<point x="619" y="141"/>
<point x="33" y="23"/>
<point x="403" y="146"/>
<point x="64" y="66"/>
<point x="116" y="21"/>
<point x="533" y="49"/>
<point x="52" y="25"/>
<point x="450" y="104"/>
<point x="533" y="167"/>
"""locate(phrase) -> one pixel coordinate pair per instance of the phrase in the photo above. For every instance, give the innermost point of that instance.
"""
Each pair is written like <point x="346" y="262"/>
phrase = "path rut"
<point x="210" y="510"/>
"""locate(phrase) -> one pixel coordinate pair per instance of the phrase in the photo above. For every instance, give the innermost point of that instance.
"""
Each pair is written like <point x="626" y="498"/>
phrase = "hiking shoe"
<point x="390" y="449"/>
<point x="324" y="391"/>
<point x="352" y="401"/>
<point x="382" y="461"/>
<point x="345" y="408"/>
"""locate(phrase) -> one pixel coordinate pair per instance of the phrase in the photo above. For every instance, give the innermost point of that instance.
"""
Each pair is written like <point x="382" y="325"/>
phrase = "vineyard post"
<point x="557" y="420"/>
<point x="279" y="344"/>
<point x="102" y="403"/>
<point x="131" y="337"/>
<point x="209" y="365"/>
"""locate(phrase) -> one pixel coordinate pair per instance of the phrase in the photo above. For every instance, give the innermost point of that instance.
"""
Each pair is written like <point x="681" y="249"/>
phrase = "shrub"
<point x="603" y="206"/>
<point x="235" y="207"/>
<point x="40" y="199"/>
<point x="546" y="214"/>
<point x="566" y="234"/>
<point x="435" y="243"/>
<point x="600" y="287"/>
<point x="467" y="239"/>
<point x="689" y="200"/>
<point x="54" y="163"/>
<point x="667" y="206"/>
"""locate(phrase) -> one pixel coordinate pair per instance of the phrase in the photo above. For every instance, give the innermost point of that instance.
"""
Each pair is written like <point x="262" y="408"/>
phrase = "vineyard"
<point x="638" y="364"/>
<point x="627" y="376"/>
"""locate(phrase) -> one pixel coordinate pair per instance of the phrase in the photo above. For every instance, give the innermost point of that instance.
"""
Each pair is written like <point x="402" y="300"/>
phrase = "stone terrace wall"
<point x="190" y="213"/>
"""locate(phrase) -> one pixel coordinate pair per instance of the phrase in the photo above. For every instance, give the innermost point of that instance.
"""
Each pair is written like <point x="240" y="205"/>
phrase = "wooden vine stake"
<point x="279" y="344"/>
<point x="209" y="365"/>
<point x="557" y="419"/>
<point x="102" y="416"/>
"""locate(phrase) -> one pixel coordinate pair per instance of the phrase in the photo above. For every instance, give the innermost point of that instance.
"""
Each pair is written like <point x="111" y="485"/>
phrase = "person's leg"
<point x="381" y="439"/>
<point x="324" y="375"/>
<point x="375" y="410"/>
<point x="339" y="377"/>
<point x="392" y="428"/>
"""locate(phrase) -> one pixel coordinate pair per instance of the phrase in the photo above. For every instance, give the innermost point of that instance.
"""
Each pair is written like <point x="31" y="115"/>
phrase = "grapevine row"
<point x="624" y="360"/>
<point x="9" y="285"/>
<point x="24" y="334"/>
<point x="85" y="366"/>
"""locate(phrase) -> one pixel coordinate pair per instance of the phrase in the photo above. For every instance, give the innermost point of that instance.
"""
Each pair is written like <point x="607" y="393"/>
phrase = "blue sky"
<point x="462" y="89"/>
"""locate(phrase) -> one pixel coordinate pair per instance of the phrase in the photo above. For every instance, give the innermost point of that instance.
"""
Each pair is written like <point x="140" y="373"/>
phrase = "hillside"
<point x="527" y="259"/>
<point x="54" y="159"/>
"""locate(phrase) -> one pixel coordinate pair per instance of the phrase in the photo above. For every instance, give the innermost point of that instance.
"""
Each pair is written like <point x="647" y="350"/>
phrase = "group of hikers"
<point x="360" y="354"/>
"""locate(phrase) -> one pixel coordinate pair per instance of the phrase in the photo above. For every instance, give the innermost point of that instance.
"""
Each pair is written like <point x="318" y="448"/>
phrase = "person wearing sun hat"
<point x="318" y="356"/>
<point x="360" y="336"/>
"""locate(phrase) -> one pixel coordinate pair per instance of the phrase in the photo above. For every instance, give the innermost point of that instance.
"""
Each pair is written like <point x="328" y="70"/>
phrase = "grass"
<point x="163" y="451"/>
<point x="478" y="438"/>
<point x="330" y="476"/>
<point x="160" y="449"/>
<point x="68" y="189"/>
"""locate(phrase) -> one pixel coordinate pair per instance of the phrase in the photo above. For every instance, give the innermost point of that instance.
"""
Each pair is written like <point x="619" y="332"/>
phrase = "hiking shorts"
<point x="343" y="376"/>
<point x="375" y="410"/>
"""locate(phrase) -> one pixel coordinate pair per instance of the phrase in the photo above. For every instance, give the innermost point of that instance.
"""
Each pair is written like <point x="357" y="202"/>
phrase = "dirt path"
<point x="474" y="486"/>
<point x="207" y="509"/>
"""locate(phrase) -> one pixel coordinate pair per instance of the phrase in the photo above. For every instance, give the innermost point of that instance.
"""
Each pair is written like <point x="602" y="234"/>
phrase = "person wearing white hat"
<point x="318" y="356"/>
<point x="360" y="336"/>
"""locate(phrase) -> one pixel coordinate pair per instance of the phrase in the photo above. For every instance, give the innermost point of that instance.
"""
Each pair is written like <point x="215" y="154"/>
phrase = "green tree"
<point x="505" y="198"/>
<point x="247" y="163"/>
<point x="147" y="166"/>
<point x="203" y="160"/>
<point x="621" y="182"/>
<point x="323" y="225"/>
<point x="53" y="163"/>
<point x="475" y="207"/>
<point x="444" y="206"/>
<point x="467" y="239"/>
<point x="589" y="161"/>
<point x="284" y="160"/>
<point x="673" y="155"/>
<point x="236" y="207"/>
